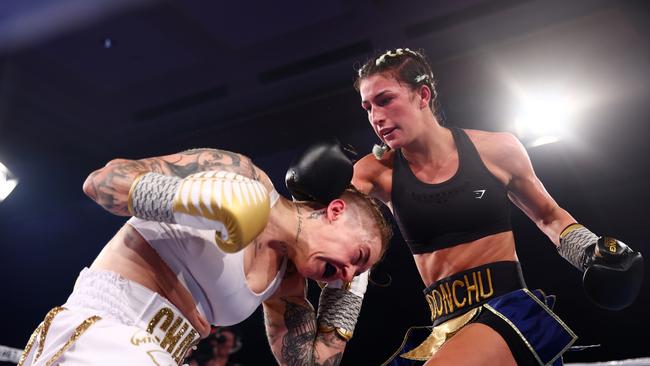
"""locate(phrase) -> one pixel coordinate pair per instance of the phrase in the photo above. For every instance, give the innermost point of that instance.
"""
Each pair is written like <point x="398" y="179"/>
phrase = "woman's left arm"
<point x="527" y="192"/>
<point x="612" y="271"/>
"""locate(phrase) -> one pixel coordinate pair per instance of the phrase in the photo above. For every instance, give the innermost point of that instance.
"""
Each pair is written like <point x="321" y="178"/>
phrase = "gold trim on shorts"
<point x="523" y="338"/>
<point x="42" y="330"/>
<point x="439" y="335"/>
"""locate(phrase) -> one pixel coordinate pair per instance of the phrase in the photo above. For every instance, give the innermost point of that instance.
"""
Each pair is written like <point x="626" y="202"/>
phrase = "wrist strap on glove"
<point x="574" y="243"/>
<point x="338" y="310"/>
<point x="340" y="305"/>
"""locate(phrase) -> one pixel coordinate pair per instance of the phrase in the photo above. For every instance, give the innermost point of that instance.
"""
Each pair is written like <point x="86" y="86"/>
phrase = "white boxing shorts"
<point x="109" y="320"/>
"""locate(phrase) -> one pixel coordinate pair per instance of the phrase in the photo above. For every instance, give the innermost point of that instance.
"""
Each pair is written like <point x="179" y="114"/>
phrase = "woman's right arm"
<point x="109" y="186"/>
<point x="368" y="175"/>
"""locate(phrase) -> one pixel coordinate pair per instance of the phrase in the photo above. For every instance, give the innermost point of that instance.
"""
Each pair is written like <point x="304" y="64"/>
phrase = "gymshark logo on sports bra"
<point x="478" y="194"/>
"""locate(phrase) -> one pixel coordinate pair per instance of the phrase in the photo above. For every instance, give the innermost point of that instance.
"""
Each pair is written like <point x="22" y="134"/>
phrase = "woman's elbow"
<point x="89" y="186"/>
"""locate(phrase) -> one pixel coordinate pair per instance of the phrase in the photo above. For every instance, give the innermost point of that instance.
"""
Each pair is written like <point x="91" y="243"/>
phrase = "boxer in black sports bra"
<point x="450" y="191"/>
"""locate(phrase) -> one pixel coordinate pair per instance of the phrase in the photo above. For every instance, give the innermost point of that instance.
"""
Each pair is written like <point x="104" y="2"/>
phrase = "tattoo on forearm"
<point x="330" y="339"/>
<point x="298" y="347"/>
<point x="332" y="361"/>
<point x="298" y="342"/>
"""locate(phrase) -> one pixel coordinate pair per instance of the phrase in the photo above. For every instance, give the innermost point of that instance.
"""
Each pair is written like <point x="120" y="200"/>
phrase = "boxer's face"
<point x="339" y="247"/>
<point x="340" y="259"/>
<point x="391" y="108"/>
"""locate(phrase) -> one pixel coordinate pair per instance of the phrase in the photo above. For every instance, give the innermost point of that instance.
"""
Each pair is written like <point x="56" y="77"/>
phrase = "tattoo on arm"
<point x="332" y="361"/>
<point x="199" y="160"/>
<point x="298" y="346"/>
<point x="110" y="185"/>
<point x="330" y="339"/>
<point x="211" y="159"/>
<point x="298" y="342"/>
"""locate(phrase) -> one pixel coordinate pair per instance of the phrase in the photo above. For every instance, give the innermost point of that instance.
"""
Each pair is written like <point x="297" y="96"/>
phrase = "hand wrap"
<point x="574" y="241"/>
<point x="340" y="305"/>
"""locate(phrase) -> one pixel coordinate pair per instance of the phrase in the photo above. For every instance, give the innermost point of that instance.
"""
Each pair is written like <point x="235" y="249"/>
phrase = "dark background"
<point x="264" y="78"/>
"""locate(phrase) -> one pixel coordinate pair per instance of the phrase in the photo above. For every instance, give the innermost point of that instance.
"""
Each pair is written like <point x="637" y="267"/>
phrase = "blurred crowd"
<point x="217" y="349"/>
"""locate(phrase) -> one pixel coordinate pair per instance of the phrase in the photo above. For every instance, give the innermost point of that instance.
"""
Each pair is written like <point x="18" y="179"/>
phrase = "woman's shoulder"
<point x="501" y="151"/>
<point x="490" y="137"/>
<point x="373" y="176"/>
<point x="494" y="144"/>
<point x="371" y="164"/>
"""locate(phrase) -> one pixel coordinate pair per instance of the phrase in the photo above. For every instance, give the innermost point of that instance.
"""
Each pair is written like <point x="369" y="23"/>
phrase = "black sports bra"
<point x="470" y="205"/>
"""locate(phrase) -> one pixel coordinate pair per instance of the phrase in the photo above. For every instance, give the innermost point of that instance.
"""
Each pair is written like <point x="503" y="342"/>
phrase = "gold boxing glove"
<point x="235" y="206"/>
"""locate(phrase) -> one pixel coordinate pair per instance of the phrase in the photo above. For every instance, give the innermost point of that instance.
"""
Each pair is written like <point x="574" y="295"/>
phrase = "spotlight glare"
<point x="543" y="119"/>
<point x="6" y="188"/>
<point x="544" y="140"/>
<point x="7" y="182"/>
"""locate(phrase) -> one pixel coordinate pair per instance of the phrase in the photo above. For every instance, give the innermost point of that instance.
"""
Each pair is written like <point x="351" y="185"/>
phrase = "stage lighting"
<point x="543" y="119"/>
<point x="7" y="182"/>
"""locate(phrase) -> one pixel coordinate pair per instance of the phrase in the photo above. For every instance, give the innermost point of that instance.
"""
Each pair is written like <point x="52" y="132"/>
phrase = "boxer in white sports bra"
<point x="209" y="242"/>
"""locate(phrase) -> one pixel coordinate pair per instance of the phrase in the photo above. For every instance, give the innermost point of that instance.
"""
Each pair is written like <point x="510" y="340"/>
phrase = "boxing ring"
<point x="12" y="355"/>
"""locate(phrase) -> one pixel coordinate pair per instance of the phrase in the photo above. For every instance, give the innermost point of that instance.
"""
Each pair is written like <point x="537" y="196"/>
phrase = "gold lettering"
<point x="450" y="296"/>
<point x="169" y="316"/>
<point x="172" y="337"/>
<point x="139" y="338"/>
<point x="611" y="244"/>
<point x="480" y="281"/>
<point x="432" y="307"/>
<point x="472" y="288"/>
<point x="453" y="291"/>
<point x="185" y="345"/>
<point x="446" y="297"/>
<point x="438" y="306"/>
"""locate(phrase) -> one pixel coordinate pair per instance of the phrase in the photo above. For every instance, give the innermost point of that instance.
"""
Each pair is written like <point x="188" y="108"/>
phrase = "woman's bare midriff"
<point x="445" y="262"/>
<point x="129" y="255"/>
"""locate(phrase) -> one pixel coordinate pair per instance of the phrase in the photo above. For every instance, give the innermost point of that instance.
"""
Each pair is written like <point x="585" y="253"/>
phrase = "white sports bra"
<point x="215" y="279"/>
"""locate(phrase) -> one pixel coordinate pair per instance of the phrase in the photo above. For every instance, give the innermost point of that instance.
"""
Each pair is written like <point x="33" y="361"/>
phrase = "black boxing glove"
<point x="613" y="272"/>
<point x="321" y="172"/>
